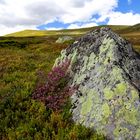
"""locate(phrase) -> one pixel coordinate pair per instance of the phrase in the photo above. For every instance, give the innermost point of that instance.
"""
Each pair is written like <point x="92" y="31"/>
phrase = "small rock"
<point x="64" y="39"/>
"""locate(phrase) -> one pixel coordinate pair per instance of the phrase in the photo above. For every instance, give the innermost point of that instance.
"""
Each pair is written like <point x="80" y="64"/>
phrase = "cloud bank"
<point x="18" y="15"/>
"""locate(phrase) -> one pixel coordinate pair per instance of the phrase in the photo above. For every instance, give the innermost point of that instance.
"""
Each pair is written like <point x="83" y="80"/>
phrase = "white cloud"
<point x="75" y="26"/>
<point x="53" y="28"/>
<point x="118" y="18"/>
<point x="90" y="9"/>
<point x="6" y="30"/>
<point x="31" y="13"/>
<point x="2" y="2"/>
<point x="21" y="14"/>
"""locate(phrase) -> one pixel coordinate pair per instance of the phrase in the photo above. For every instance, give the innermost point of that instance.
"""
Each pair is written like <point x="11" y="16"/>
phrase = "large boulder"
<point x="107" y="71"/>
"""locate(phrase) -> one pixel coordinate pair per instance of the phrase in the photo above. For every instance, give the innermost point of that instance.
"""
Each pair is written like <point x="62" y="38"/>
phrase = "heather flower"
<point x="55" y="92"/>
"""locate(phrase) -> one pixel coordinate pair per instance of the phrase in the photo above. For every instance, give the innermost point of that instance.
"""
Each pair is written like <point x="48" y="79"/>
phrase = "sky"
<point x="16" y="15"/>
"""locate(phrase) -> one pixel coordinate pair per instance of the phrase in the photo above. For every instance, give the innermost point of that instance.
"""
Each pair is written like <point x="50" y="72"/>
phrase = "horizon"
<point x="55" y="30"/>
<point x="53" y="15"/>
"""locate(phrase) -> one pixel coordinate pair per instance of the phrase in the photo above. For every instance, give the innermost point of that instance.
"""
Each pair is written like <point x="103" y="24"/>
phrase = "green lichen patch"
<point x="80" y="78"/>
<point x="108" y="93"/>
<point x="134" y="95"/>
<point x="127" y="105"/>
<point x="90" y="61"/>
<point x="108" y="47"/>
<point x="120" y="132"/>
<point x="74" y="55"/>
<point x="87" y="105"/>
<point x="106" y="110"/>
<point x="121" y="88"/>
<point x="60" y="58"/>
<point x="116" y="74"/>
<point x="131" y="116"/>
<point x="137" y="134"/>
<point x="96" y="112"/>
<point x="86" y="58"/>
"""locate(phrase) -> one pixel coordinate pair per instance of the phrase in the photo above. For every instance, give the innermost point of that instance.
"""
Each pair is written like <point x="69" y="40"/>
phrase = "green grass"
<point x="129" y="29"/>
<point x="21" y="117"/>
<point x="22" y="56"/>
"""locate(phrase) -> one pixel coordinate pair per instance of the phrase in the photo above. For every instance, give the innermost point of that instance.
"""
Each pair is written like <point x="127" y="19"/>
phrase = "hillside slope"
<point x="134" y="28"/>
<point x="131" y="33"/>
<point x="27" y="33"/>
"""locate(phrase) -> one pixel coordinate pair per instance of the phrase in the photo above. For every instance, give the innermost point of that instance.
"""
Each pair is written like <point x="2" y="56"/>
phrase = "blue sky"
<point x="19" y="15"/>
<point x="128" y="6"/>
<point x="124" y="6"/>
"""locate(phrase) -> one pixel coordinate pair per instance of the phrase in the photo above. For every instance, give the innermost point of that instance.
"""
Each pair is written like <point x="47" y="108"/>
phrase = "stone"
<point x="64" y="39"/>
<point x="107" y="71"/>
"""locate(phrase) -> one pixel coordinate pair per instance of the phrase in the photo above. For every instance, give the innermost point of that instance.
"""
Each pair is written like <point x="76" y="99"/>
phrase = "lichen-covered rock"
<point x="64" y="39"/>
<point x="107" y="71"/>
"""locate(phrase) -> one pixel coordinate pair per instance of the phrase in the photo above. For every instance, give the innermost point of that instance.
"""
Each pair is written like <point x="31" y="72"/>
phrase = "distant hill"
<point x="129" y="29"/>
<point x="131" y="33"/>
<point x="27" y="33"/>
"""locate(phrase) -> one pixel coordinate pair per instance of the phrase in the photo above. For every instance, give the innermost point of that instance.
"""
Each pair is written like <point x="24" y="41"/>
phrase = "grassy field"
<point x="21" y="117"/>
<point x="23" y="56"/>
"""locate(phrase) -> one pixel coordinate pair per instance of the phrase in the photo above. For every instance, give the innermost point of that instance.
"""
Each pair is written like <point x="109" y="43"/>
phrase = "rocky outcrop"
<point x="107" y="71"/>
<point x="64" y="39"/>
